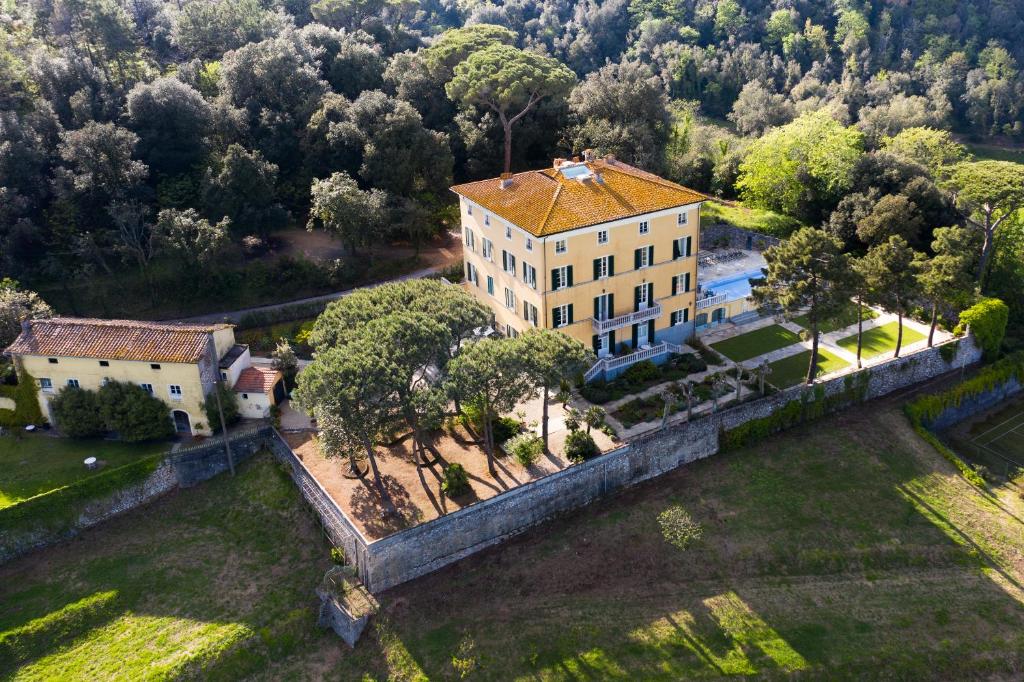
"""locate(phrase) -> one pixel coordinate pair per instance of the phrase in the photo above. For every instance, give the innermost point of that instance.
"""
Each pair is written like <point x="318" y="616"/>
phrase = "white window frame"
<point x="509" y="262"/>
<point x="530" y="275"/>
<point x="174" y="394"/>
<point x="487" y="219"/>
<point x="602" y="236"/>
<point x="508" y="232"/>
<point x="531" y="313"/>
<point x="602" y="267"/>
<point x="645" y="252"/>
<point x="46" y="384"/>
<point x="529" y="244"/>
<point x="488" y="250"/>
<point x="73" y="382"/>
<point x="490" y="285"/>
<point x="645" y="227"/>
<point x="561" y="246"/>
<point x="681" y="282"/>
<point x="469" y="209"/>
<point x="510" y="299"/>
<point x="680" y="316"/>
<point x="642" y="339"/>
<point x="602" y="345"/>
<point x="470" y="240"/>
<point x="683" y="218"/>
<point x="563" y="317"/>
<point x="643" y="301"/>
<point x="563" y="276"/>
<point x="104" y="381"/>
<point x="148" y="388"/>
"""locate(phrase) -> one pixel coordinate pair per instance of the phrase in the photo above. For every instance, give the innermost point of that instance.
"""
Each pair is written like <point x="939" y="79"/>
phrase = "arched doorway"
<point x="181" y="421"/>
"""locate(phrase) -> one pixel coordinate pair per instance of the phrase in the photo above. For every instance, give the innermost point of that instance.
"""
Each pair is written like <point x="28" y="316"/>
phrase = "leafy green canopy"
<point x="801" y="168"/>
<point x="987" y="320"/>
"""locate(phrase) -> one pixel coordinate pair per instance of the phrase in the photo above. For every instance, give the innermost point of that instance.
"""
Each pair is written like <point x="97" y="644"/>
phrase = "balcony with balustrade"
<point x="652" y="312"/>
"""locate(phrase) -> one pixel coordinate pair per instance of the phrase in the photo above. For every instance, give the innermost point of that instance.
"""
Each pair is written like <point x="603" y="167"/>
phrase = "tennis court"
<point x="996" y="439"/>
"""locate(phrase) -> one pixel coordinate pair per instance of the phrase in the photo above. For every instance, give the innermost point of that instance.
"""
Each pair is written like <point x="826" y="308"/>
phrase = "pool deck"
<point x="750" y="261"/>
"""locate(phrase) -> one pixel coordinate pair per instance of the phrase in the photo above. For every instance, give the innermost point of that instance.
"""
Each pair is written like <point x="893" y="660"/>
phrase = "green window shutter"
<point x="556" y="317"/>
<point x="636" y="335"/>
<point x="554" y="278"/>
<point x="675" y="249"/>
<point x="650" y="255"/>
<point x="611" y="306"/>
<point x="689" y="244"/>
<point x="650" y="332"/>
<point x="636" y="298"/>
<point x="611" y="266"/>
<point x="568" y="276"/>
<point x="636" y="259"/>
<point x="650" y="293"/>
<point x="569" y="321"/>
<point x="611" y="340"/>
<point x="675" y="285"/>
<point x="686" y="282"/>
<point x="597" y="268"/>
<point x="594" y="343"/>
<point x="597" y="306"/>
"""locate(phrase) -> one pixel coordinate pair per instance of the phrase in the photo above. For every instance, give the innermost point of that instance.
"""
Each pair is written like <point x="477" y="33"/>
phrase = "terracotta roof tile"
<point x="257" y="380"/>
<point x="114" y="339"/>
<point x="545" y="202"/>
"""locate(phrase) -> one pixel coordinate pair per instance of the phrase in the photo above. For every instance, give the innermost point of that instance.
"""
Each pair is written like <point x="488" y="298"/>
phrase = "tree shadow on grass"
<point x="366" y="506"/>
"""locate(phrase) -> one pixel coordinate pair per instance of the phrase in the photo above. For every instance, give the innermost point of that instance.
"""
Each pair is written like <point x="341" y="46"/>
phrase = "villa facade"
<point x="598" y="249"/>
<point x="178" y="363"/>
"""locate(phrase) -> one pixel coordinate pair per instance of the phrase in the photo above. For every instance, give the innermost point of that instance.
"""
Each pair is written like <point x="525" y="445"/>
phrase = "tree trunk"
<point x="489" y="440"/>
<point x="860" y="327"/>
<point x="935" y="321"/>
<point x="507" y="125"/>
<point x="986" y="250"/>
<point x="899" y="333"/>
<point x="812" y="369"/>
<point x="353" y="465"/>
<point x="544" y="420"/>
<point x="385" y="499"/>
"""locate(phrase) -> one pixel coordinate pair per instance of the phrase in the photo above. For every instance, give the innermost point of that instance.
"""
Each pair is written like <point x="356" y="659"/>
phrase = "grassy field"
<point x="756" y="219"/>
<point x="792" y="370"/>
<point x="845" y="318"/>
<point x="846" y="549"/>
<point x="880" y="340"/>
<point x="218" y="576"/>
<point x="988" y="152"/>
<point x="34" y="463"/>
<point x="757" y="342"/>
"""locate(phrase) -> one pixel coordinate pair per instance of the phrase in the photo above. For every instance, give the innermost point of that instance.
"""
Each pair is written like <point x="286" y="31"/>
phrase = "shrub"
<point x="573" y="418"/>
<point x="580" y="446"/>
<point x="338" y="555"/>
<point x="678" y="527"/>
<point x="526" y="447"/>
<point x="456" y="480"/>
<point x="26" y="405"/>
<point x="645" y="370"/>
<point x="597" y="392"/>
<point x="505" y="428"/>
<point x="229" y="403"/>
<point x="77" y="413"/>
<point x="987" y="319"/>
<point x="133" y="412"/>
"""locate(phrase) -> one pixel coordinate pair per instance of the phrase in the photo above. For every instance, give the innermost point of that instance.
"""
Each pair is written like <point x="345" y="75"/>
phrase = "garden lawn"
<point x="218" y="577"/>
<point x="792" y="370"/>
<point x="880" y="339"/>
<point x="846" y="317"/>
<point x="757" y="342"/>
<point x="31" y="464"/>
<point x="756" y="219"/>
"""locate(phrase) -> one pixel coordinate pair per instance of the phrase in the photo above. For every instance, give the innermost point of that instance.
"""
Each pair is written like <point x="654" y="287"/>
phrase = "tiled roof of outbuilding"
<point x="545" y="202"/>
<point x="257" y="380"/>
<point x="114" y="339"/>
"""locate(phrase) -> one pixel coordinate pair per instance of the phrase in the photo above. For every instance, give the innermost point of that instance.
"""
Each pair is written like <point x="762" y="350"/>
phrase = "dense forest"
<point x="151" y="149"/>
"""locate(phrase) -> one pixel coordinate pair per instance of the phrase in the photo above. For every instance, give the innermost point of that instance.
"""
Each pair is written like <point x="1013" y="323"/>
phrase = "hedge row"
<point x="812" y="404"/>
<point x="928" y="408"/>
<point x="284" y="313"/>
<point x="58" y="509"/>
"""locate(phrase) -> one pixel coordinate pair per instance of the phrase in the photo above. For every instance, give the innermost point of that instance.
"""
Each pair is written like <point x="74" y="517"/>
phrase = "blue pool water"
<point x="737" y="286"/>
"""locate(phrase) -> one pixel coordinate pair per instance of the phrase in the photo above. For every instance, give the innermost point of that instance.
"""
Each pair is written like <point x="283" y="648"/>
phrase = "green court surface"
<point x="757" y="342"/>
<point x="880" y="340"/>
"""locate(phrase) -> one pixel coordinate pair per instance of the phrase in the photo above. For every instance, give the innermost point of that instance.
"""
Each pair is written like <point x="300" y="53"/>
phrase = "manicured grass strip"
<point x="845" y="318"/>
<point x="757" y="342"/>
<point x="32" y="464"/>
<point x="756" y="219"/>
<point x="793" y="370"/>
<point x="880" y="339"/>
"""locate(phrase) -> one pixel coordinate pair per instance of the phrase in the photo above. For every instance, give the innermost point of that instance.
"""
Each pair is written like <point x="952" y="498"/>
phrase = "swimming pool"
<point x="737" y="286"/>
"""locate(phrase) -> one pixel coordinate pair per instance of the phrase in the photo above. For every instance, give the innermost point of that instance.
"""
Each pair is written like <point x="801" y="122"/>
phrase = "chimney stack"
<point x="588" y="155"/>
<point x="610" y="158"/>
<point x="558" y="162"/>
<point x="506" y="180"/>
<point x="575" y="159"/>
<point x="26" y="326"/>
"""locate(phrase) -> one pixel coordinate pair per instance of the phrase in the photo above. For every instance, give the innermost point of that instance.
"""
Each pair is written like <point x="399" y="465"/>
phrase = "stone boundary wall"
<point x="971" y="406"/>
<point x="180" y="469"/>
<point x="411" y="553"/>
<point x="734" y="237"/>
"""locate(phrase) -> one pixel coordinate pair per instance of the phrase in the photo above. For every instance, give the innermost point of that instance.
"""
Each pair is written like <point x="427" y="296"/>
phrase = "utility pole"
<point x="217" y="384"/>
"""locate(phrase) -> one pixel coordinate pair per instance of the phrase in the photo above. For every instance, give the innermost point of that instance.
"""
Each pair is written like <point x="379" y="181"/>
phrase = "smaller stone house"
<point x="178" y="363"/>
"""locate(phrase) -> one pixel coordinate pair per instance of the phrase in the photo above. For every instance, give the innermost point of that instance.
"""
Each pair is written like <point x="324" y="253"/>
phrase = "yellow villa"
<point x="597" y="248"/>
<point x="177" y="363"/>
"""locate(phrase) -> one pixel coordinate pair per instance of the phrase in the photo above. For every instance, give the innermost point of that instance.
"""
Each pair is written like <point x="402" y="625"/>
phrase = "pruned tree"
<point x="285" y="361"/>
<point x="944" y="279"/>
<point x="553" y="356"/>
<point x="890" y="270"/>
<point x="509" y="82"/>
<point x="805" y="271"/>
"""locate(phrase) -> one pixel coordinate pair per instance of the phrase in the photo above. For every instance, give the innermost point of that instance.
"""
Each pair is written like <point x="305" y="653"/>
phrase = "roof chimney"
<point x="588" y="155"/>
<point x="575" y="159"/>
<point x="26" y="326"/>
<point x="610" y="158"/>
<point x="506" y="180"/>
<point x="558" y="162"/>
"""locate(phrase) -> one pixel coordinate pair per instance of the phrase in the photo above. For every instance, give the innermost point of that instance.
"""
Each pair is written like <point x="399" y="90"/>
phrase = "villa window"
<point x="604" y="267"/>
<point x="561" y="315"/>
<point x="602" y="236"/>
<point x="561" y="277"/>
<point x="643" y="257"/>
<point x="529" y="244"/>
<point x="560" y="246"/>
<point x="148" y="388"/>
<point x="52" y="361"/>
<point x="682" y="247"/>
<point x="508" y="232"/>
<point x="104" y="363"/>
<point x="154" y="366"/>
<point x="487" y="219"/>
<point x="680" y="317"/>
<point x="488" y="249"/>
<point x="470" y="242"/>
<point x="45" y="384"/>
<point x="508" y="262"/>
<point x="73" y="383"/>
<point x="510" y="299"/>
<point x="174" y="391"/>
<point x="105" y="380"/>
<point x="530" y="313"/>
<point x="530" y="275"/>
<point x="682" y="219"/>
<point x="472" y="275"/>
<point x="681" y="283"/>
<point x="469" y="209"/>
<point x="645" y="227"/>
<point x="490" y="285"/>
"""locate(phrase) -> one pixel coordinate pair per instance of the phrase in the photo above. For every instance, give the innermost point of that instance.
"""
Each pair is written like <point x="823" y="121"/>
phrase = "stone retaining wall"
<point x="427" y="547"/>
<point x="972" y="405"/>
<point x="729" y="236"/>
